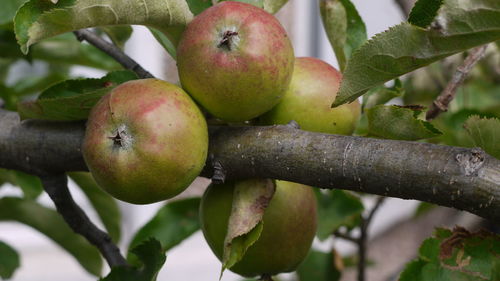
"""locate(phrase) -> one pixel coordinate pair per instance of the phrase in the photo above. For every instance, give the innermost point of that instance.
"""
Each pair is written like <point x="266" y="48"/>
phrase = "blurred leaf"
<point x="9" y="9"/>
<point x="9" y="261"/>
<point x="319" y="266"/>
<point x="34" y="84"/>
<point x="164" y="42"/>
<point x="424" y="12"/>
<point x="30" y="185"/>
<point x="336" y="208"/>
<point x="119" y="34"/>
<point x="63" y="49"/>
<point x="105" y="205"/>
<point x="381" y="94"/>
<point x="72" y="99"/>
<point x="423" y="208"/>
<point x="151" y="255"/>
<point x="273" y="6"/>
<point x="250" y="199"/>
<point x="198" y="6"/>
<point x="458" y="26"/>
<point x="485" y="133"/>
<point x="455" y="255"/>
<point x="256" y="3"/>
<point x="344" y="27"/>
<point x="66" y="49"/>
<point x="51" y="224"/>
<point x="37" y="20"/>
<point x="400" y="123"/>
<point x="173" y="223"/>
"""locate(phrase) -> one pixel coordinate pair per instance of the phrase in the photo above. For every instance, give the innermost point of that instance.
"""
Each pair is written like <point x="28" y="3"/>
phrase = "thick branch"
<point x="57" y="188"/>
<point x="113" y="51"/>
<point x="462" y="178"/>
<point x="443" y="100"/>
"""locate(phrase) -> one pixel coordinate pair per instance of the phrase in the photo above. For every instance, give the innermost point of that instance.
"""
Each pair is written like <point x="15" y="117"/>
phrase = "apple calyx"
<point x="122" y="139"/>
<point x="228" y="39"/>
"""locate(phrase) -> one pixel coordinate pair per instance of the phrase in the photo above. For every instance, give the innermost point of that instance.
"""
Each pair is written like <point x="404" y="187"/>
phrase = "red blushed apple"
<point x="145" y="141"/>
<point x="308" y="100"/>
<point x="236" y="60"/>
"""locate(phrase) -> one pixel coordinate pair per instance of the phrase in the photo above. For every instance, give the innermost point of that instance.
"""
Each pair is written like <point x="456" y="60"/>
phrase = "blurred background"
<point x="393" y="230"/>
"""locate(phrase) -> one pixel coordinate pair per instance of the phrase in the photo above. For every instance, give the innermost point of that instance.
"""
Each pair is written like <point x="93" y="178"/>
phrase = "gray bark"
<point x="462" y="178"/>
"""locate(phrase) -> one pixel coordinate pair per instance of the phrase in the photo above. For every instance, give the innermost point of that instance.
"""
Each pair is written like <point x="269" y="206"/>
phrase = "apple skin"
<point x="308" y="100"/>
<point x="290" y="223"/>
<point x="161" y="148"/>
<point x="248" y="74"/>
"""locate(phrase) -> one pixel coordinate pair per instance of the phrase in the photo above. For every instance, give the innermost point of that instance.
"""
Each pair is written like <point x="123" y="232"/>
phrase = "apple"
<point x="289" y="228"/>
<point x="308" y="100"/>
<point x="236" y="60"/>
<point x="145" y="141"/>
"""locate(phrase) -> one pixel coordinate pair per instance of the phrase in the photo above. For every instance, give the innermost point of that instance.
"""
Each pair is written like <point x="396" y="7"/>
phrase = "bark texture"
<point x="462" y="178"/>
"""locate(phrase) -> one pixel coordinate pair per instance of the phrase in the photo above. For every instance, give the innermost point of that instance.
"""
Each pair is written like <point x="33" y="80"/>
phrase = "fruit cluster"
<point x="147" y="140"/>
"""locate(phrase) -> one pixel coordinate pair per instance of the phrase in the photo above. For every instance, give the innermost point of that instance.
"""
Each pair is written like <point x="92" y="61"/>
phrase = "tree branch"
<point x="113" y="51"/>
<point x="56" y="187"/>
<point x="443" y="100"/>
<point x="462" y="178"/>
<point x="362" y="249"/>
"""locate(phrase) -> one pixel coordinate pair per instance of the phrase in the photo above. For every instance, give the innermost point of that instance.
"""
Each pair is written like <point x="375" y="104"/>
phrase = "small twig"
<point x="346" y="236"/>
<point x="443" y="100"/>
<point x="365" y="222"/>
<point x="56" y="187"/>
<point x="112" y="50"/>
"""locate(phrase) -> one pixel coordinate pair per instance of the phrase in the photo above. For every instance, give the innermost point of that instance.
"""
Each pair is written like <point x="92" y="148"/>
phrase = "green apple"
<point x="309" y="98"/>
<point x="236" y="60"/>
<point x="145" y="141"/>
<point x="289" y="228"/>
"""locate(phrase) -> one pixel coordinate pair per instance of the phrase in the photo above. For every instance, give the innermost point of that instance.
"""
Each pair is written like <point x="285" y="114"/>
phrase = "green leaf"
<point x="8" y="10"/>
<point x="36" y="83"/>
<point x="164" y="42"/>
<point x="9" y="261"/>
<point x="245" y="225"/>
<point x="119" y="34"/>
<point x="319" y="266"/>
<point x="455" y="255"/>
<point x="198" y="6"/>
<point x="51" y="224"/>
<point x="173" y="223"/>
<point x="63" y="49"/>
<point x="336" y="208"/>
<point x="151" y="255"/>
<point x="37" y="20"/>
<point x="72" y="99"/>
<point x="459" y="25"/>
<point x="273" y="6"/>
<point x="381" y="94"/>
<point x="485" y="133"/>
<point x="105" y="205"/>
<point x="30" y="185"/>
<point x="399" y="123"/>
<point x="424" y="12"/>
<point x="344" y="27"/>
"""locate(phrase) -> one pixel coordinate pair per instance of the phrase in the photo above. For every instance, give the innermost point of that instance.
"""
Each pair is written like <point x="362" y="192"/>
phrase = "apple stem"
<point x="226" y="39"/>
